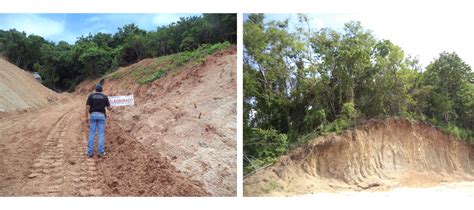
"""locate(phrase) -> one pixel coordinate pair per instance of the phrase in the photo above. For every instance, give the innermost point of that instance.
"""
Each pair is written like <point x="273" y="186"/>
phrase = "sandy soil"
<point x="377" y="156"/>
<point x="436" y="197"/>
<point x="20" y="91"/>
<point x="179" y="140"/>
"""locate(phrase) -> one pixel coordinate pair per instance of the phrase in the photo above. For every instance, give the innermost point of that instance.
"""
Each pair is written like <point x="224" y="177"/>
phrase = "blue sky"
<point x="425" y="34"/>
<point x="67" y="27"/>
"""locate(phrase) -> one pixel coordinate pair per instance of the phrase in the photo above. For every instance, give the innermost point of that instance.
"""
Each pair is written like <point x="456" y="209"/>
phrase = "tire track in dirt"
<point x="21" y="142"/>
<point x="62" y="168"/>
<point x="83" y="176"/>
<point x="46" y="176"/>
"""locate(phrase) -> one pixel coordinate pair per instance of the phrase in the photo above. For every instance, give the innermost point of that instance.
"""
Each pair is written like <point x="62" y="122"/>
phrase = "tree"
<point x="96" y="60"/>
<point x="133" y="49"/>
<point x="62" y="65"/>
<point x="451" y="79"/>
<point x="300" y="81"/>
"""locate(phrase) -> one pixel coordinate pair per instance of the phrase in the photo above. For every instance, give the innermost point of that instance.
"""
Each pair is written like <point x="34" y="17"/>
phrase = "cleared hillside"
<point x="188" y="114"/>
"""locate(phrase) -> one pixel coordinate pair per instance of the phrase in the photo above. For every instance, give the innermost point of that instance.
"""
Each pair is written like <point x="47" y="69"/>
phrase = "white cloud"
<point x="144" y="21"/>
<point x="33" y="24"/>
<point x="93" y="19"/>
<point x="319" y="23"/>
<point x="165" y="19"/>
<point x="419" y="34"/>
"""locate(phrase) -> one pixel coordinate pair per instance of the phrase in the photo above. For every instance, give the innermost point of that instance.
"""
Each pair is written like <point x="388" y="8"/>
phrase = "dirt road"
<point x="43" y="154"/>
<point x="38" y="149"/>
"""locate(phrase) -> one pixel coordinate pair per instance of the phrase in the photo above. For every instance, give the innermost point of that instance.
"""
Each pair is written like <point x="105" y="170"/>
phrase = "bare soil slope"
<point x="19" y="90"/>
<point x="188" y="116"/>
<point x="379" y="155"/>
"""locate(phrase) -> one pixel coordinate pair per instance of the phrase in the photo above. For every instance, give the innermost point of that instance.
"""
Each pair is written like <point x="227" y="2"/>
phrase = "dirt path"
<point x="47" y="151"/>
<point x="62" y="169"/>
<point x="21" y="142"/>
<point x="43" y="154"/>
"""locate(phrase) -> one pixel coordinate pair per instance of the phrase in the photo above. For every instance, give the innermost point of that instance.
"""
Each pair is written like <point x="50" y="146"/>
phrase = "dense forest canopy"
<point x="63" y="66"/>
<point x="304" y="81"/>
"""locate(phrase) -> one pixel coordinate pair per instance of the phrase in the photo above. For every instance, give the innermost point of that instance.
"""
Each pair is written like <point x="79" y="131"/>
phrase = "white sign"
<point x="121" y="100"/>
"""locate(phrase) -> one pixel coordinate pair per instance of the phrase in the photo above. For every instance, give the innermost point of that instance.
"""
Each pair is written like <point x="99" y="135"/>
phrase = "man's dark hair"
<point x="98" y="88"/>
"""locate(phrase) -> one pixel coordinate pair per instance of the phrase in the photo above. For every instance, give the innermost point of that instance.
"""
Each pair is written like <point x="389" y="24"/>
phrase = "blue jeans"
<point x="97" y="122"/>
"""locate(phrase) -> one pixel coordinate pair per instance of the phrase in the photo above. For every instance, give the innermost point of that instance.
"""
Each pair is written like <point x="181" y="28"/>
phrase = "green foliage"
<point x="348" y="111"/>
<point x="199" y="53"/>
<point x="463" y="133"/>
<point x="337" y="126"/>
<point x="264" y="145"/>
<point x="115" y="75"/>
<point x="452" y="90"/>
<point x="198" y="56"/>
<point x="96" y="61"/>
<point x="62" y="66"/>
<point x="144" y="74"/>
<point x="156" y="75"/>
<point x="314" y="118"/>
<point x="307" y="82"/>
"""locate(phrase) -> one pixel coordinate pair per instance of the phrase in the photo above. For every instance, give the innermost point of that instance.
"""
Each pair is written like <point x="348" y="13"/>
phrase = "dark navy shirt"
<point x="97" y="102"/>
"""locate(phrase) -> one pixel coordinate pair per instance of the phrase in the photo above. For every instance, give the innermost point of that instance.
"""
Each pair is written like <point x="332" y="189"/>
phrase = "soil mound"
<point x="130" y="170"/>
<point x="19" y="90"/>
<point x="377" y="155"/>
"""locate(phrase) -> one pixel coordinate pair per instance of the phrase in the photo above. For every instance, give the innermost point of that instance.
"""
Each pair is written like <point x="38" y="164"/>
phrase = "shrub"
<point x="153" y="77"/>
<point x="265" y="145"/>
<point x="348" y="110"/>
<point x="164" y="64"/>
<point x="337" y="125"/>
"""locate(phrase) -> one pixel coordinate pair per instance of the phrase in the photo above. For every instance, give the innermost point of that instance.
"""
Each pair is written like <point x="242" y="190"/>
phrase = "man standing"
<point x="95" y="106"/>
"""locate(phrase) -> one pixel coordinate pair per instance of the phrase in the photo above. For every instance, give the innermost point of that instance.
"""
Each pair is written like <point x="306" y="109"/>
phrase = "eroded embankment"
<point x="377" y="155"/>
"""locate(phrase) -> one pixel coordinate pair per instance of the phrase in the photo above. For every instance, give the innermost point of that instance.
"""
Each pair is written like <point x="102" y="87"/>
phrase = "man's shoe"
<point x="90" y="156"/>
